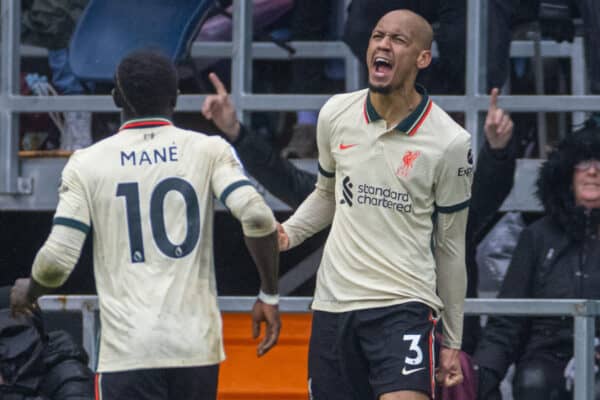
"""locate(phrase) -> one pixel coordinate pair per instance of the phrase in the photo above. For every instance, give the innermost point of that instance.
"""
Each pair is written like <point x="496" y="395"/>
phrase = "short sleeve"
<point x="73" y="203"/>
<point x="453" y="182"/>
<point x="228" y="173"/>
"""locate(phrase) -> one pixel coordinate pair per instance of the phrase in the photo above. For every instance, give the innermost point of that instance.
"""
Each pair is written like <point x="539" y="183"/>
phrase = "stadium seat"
<point x="109" y="30"/>
<point x="280" y="375"/>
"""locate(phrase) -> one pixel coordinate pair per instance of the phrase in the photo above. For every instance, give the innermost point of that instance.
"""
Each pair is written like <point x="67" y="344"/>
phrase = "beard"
<point x="385" y="89"/>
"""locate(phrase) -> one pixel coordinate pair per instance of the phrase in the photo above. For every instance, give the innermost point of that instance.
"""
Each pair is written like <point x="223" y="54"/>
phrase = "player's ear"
<point x="116" y="95"/>
<point x="424" y="59"/>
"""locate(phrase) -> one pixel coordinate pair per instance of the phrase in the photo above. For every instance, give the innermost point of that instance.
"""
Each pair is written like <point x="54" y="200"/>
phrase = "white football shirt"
<point x="147" y="193"/>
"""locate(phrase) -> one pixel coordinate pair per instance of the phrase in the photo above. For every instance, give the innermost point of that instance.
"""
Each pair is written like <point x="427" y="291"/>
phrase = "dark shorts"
<point x="193" y="383"/>
<point x="366" y="353"/>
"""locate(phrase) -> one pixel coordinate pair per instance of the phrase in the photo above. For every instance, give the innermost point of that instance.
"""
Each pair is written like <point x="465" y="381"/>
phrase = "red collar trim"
<point x="148" y="123"/>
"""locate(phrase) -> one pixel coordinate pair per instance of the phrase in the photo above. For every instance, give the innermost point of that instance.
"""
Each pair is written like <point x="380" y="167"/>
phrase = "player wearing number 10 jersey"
<point x="147" y="193"/>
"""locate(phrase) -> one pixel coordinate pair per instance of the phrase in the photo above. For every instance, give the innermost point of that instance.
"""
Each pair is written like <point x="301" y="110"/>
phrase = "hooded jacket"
<point x="36" y="366"/>
<point x="557" y="257"/>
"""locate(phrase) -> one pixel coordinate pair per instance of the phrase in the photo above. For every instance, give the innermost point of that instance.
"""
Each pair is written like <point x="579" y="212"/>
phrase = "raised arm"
<point x="278" y="175"/>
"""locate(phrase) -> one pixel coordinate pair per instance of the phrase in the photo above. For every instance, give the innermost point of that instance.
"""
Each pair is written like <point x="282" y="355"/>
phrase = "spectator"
<point x="492" y="181"/>
<point x="39" y="366"/>
<point x="556" y="257"/>
<point x="309" y="22"/>
<point x="161" y="329"/>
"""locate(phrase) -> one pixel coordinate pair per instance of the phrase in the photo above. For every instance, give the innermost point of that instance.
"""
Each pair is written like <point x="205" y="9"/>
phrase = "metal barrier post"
<point x="241" y="59"/>
<point x="584" y="355"/>
<point x="475" y="65"/>
<point x="9" y="85"/>
<point x="578" y="75"/>
<point x="90" y="331"/>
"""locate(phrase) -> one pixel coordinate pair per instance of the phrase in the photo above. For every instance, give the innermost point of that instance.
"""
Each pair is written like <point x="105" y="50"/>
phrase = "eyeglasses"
<point x="587" y="164"/>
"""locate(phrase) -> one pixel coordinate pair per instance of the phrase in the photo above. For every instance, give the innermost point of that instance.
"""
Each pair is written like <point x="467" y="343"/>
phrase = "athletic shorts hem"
<point x="381" y="390"/>
<point x="158" y="364"/>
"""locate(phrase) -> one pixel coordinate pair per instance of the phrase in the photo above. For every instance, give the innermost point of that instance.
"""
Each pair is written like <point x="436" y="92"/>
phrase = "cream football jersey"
<point x="147" y="193"/>
<point x="389" y="184"/>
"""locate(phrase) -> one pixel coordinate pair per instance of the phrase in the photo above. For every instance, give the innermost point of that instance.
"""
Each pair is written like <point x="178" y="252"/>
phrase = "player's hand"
<point x="268" y="314"/>
<point x="20" y="304"/>
<point x="282" y="238"/>
<point x="449" y="372"/>
<point x="219" y="108"/>
<point x="498" y="124"/>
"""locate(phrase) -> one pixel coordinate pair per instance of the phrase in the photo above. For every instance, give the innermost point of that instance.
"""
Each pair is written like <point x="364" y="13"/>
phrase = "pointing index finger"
<point x="219" y="87"/>
<point x="494" y="98"/>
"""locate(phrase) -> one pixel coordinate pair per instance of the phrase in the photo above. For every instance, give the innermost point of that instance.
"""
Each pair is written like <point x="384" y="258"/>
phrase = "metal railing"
<point x="582" y="311"/>
<point x="16" y="186"/>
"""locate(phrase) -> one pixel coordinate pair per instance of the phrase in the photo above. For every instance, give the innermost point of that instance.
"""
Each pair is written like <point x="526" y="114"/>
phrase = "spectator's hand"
<point x="219" y="108"/>
<point x="262" y="312"/>
<point x="498" y="124"/>
<point x="449" y="372"/>
<point x="20" y="304"/>
<point x="282" y="238"/>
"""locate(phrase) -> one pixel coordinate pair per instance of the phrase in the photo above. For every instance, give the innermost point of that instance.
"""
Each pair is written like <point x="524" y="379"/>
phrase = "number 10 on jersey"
<point x="130" y="191"/>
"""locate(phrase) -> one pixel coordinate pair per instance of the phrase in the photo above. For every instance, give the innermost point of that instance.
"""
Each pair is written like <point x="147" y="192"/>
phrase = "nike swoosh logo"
<point x="346" y="146"/>
<point x="411" y="371"/>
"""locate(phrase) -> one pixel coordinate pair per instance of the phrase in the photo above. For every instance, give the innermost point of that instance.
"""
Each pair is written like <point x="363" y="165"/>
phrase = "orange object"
<point x="280" y="374"/>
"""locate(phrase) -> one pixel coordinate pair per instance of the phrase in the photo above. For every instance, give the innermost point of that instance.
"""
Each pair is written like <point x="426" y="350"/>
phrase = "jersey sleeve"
<point x="228" y="174"/>
<point x="451" y="273"/>
<point x="326" y="176"/>
<point x="453" y="181"/>
<point x="73" y="208"/>
<point x="237" y="193"/>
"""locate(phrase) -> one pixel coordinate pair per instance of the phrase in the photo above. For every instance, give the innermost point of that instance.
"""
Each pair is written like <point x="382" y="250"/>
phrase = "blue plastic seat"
<point x="108" y="30"/>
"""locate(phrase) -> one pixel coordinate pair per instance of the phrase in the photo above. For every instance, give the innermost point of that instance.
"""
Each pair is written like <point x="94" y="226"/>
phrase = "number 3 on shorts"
<point x="413" y="348"/>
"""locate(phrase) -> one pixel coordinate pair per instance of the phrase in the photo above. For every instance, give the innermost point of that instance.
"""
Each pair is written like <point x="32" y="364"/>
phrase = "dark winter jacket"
<point x="558" y="256"/>
<point x="35" y="366"/>
<point x="278" y="175"/>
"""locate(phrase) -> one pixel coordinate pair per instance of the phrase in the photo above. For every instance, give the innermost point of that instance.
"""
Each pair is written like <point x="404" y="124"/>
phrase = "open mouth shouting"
<point x="381" y="68"/>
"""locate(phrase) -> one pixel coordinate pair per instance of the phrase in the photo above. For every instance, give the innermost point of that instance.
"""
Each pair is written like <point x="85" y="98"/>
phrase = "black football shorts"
<point x="193" y="383"/>
<point x="366" y="353"/>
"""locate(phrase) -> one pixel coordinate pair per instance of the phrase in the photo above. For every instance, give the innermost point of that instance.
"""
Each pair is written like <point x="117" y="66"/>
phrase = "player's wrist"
<point x="270" y="299"/>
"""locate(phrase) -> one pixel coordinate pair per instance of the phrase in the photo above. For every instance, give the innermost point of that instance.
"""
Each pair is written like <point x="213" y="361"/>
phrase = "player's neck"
<point x="128" y="116"/>
<point x="395" y="106"/>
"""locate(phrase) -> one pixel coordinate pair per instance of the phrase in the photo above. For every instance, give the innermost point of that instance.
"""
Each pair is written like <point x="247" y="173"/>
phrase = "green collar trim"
<point x="412" y="122"/>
